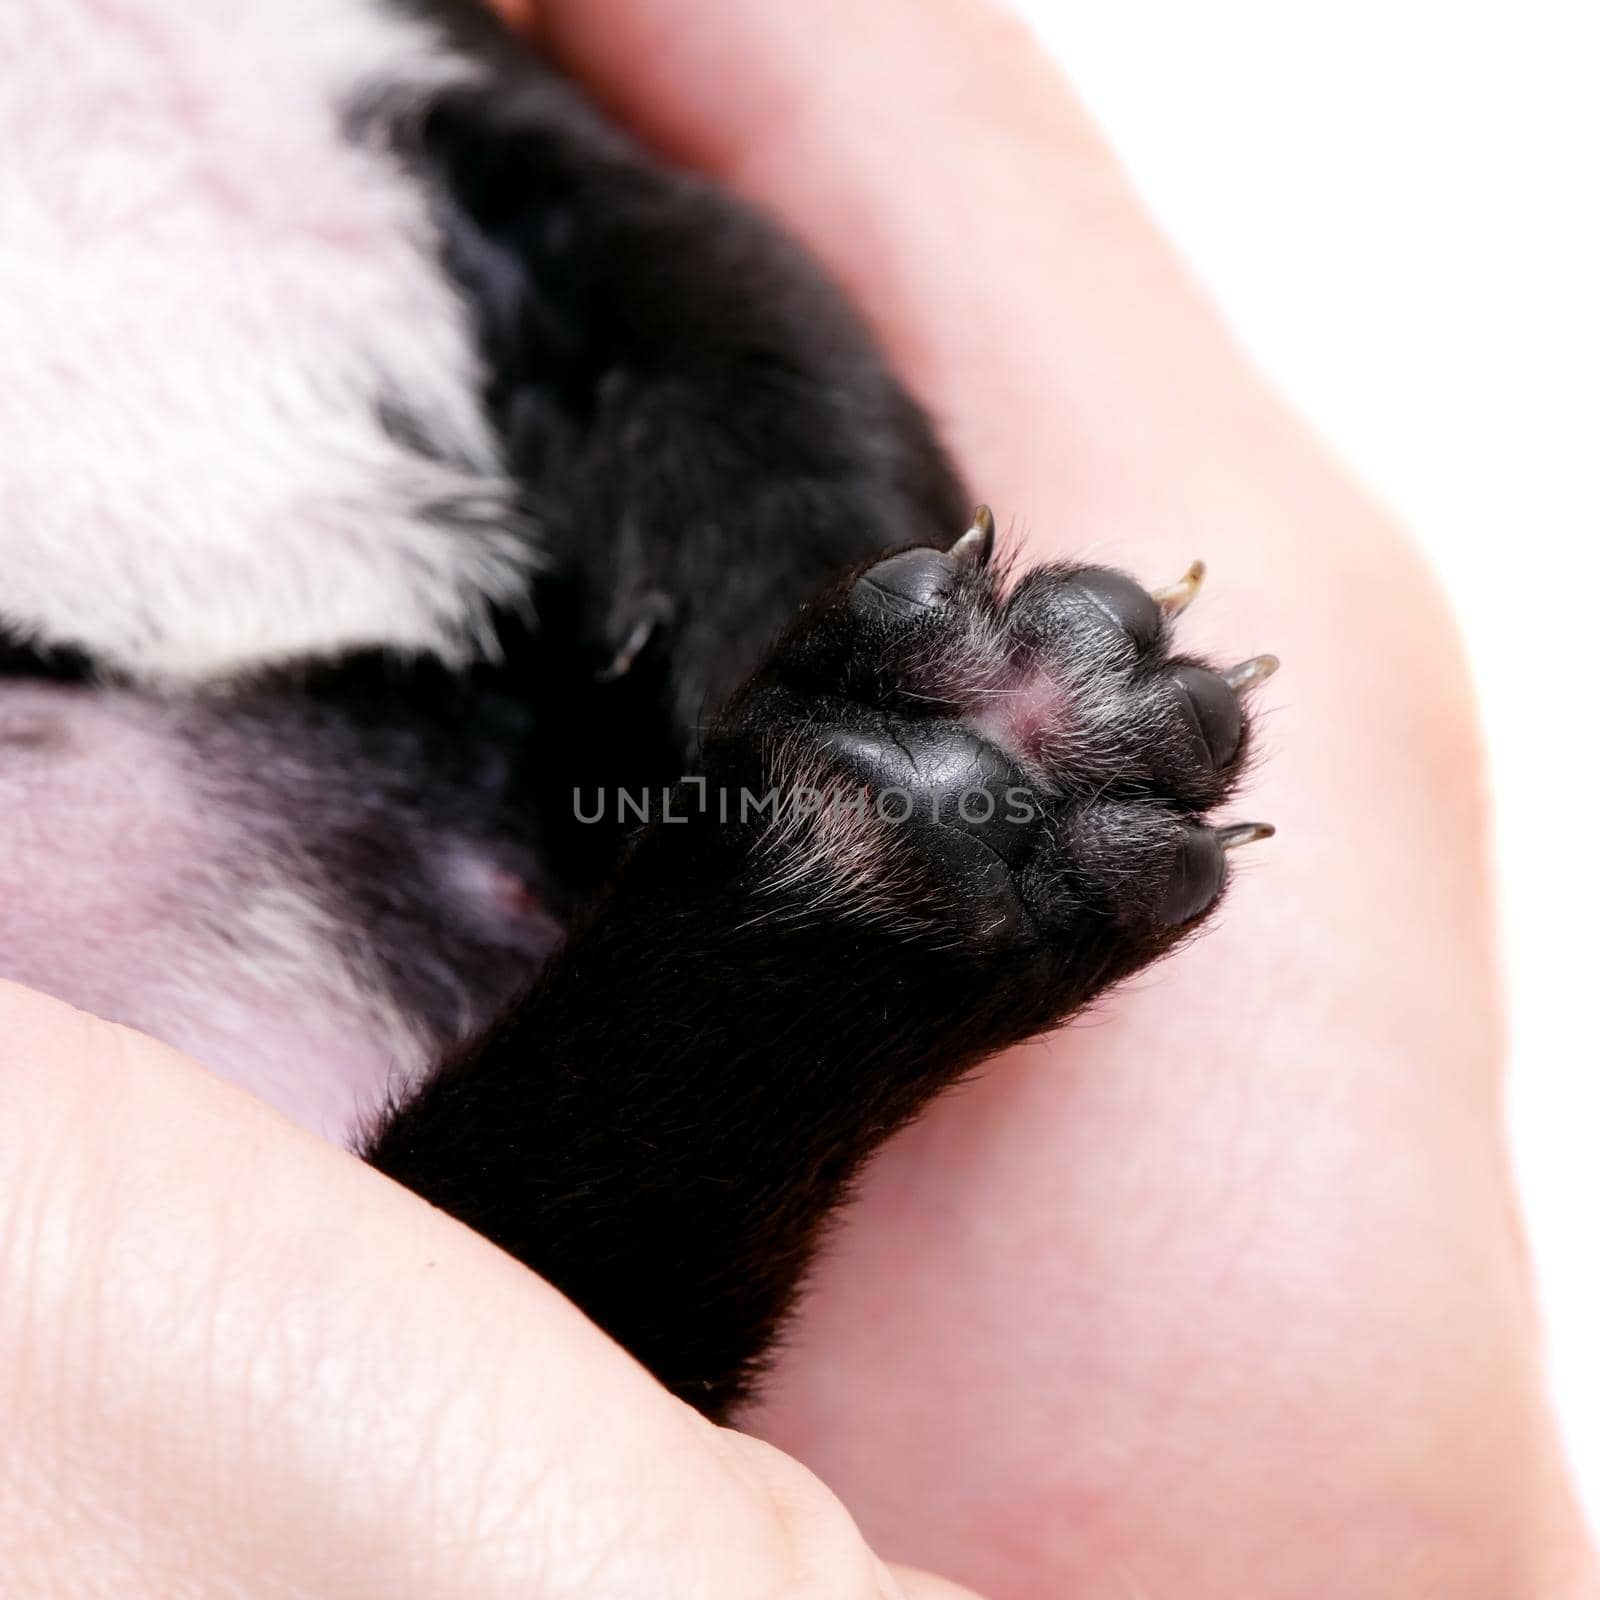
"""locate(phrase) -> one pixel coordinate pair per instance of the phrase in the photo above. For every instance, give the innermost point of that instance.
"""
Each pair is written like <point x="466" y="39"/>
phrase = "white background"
<point x="1397" y="203"/>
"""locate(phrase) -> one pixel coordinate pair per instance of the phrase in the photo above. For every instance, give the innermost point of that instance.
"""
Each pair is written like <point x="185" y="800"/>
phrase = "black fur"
<point x="756" y="1002"/>
<point x="745" y="1008"/>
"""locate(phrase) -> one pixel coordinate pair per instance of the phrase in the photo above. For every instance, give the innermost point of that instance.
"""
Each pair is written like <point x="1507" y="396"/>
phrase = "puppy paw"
<point x="1028" y="771"/>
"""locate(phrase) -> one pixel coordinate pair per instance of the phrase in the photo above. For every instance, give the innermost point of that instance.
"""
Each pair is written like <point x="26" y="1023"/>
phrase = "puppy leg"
<point x="936" y="821"/>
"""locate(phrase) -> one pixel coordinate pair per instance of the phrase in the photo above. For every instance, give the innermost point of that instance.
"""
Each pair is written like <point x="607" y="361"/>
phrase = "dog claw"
<point x="657" y="613"/>
<point x="1249" y="673"/>
<point x="1240" y="833"/>
<point x="1175" y="598"/>
<point x="977" y="543"/>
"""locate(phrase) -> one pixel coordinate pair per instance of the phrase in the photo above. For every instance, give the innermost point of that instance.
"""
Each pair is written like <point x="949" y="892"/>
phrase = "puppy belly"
<point x="128" y="890"/>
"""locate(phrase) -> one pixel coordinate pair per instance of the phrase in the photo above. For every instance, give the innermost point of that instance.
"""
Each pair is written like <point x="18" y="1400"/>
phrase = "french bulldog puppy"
<point x="492" y="661"/>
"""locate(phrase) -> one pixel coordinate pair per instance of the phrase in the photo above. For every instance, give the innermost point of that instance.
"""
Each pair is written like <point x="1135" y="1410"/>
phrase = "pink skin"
<point x="1025" y="717"/>
<point x="115" y="869"/>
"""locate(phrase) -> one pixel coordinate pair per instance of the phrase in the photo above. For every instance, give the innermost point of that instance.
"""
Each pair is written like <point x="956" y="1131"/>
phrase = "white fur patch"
<point x="206" y="291"/>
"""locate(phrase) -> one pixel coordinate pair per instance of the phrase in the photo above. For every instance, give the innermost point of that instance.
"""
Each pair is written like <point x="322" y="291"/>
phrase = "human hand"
<point x="1224" y="1294"/>
<point x="237" y="1362"/>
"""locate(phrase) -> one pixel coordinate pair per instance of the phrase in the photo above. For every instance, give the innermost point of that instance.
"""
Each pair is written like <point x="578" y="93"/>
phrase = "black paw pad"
<point x="1212" y="711"/>
<point x="905" y="586"/>
<point x="961" y="800"/>
<point x="938" y="774"/>
<point x="1197" y="873"/>
<point x="1060" y="606"/>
